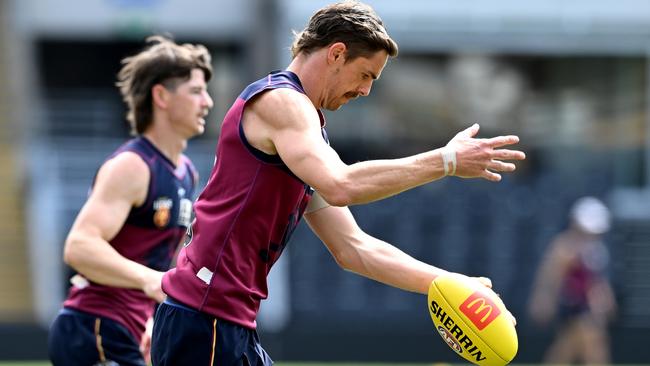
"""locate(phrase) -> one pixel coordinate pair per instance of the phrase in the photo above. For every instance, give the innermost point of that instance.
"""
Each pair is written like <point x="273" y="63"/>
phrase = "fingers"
<point x="158" y="296"/>
<point x="153" y="287"/>
<point x="485" y="281"/>
<point x="501" y="166"/>
<point x="489" y="172"/>
<point x="482" y="158"/>
<point x="502" y="140"/>
<point x="161" y="297"/>
<point x="505" y="154"/>
<point x="491" y="176"/>
<point x="155" y="292"/>
<point x="488" y="283"/>
<point x="470" y="131"/>
<point x="512" y="318"/>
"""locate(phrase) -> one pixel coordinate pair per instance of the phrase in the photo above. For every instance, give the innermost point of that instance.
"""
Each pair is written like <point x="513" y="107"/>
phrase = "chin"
<point x="198" y="131"/>
<point x="334" y="107"/>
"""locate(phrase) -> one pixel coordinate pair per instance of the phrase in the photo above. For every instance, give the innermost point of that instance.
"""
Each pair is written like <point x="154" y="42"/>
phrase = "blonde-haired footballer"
<point x="138" y="210"/>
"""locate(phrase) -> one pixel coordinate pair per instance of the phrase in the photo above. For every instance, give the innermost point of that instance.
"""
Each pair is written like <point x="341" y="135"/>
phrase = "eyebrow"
<point x="372" y="74"/>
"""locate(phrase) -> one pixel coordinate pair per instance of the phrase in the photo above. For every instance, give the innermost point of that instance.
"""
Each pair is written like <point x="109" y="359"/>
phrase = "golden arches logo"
<point x="480" y="310"/>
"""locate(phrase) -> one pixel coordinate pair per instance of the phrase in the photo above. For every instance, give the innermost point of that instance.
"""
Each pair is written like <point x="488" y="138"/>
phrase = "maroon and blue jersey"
<point x="587" y="267"/>
<point x="244" y="218"/>
<point x="150" y="236"/>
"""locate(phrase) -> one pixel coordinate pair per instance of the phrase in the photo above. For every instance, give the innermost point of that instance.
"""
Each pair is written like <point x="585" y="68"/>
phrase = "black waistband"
<point x="175" y="303"/>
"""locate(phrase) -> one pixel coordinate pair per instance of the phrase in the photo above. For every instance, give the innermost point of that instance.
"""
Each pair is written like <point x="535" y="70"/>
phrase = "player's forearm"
<point x="373" y="180"/>
<point x="97" y="261"/>
<point x="385" y="263"/>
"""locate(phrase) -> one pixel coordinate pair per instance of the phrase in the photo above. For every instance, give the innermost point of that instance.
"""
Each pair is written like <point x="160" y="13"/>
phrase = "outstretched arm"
<point x="284" y="122"/>
<point x="358" y="252"/>
<point x="542" y="304"/>
<point x="121" y="183"/>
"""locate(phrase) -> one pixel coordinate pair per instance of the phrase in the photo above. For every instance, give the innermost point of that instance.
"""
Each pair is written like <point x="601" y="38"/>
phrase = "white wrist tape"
<point x="449" y="160"/>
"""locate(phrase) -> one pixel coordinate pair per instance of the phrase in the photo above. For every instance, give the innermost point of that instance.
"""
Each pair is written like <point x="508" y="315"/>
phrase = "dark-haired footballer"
<point x="273" y="166"/>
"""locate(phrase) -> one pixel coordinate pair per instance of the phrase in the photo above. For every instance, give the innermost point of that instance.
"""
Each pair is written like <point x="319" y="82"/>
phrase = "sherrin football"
<point x="472" y="320"/>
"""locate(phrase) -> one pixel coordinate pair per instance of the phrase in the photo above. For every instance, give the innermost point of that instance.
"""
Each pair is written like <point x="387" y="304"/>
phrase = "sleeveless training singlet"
<point x="150" y="236"/>
<point x="244" y="218"/>
<point x="587" y="267"/>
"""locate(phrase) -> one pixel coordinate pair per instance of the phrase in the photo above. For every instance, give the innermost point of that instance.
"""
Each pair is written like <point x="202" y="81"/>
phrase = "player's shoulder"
<point x="282" y="95"/>
<point x="125" y="176"/>
<point x="124" y="167"/>
<point x="126" y="158"/>
<point x="283" y="105"/>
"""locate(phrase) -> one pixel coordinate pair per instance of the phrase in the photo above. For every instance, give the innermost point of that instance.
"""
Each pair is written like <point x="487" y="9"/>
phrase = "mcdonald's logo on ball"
<point x="480" y="310"/>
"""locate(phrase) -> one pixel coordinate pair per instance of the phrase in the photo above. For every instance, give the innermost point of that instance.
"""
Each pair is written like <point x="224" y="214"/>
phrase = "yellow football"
<point x="472" y="320"/>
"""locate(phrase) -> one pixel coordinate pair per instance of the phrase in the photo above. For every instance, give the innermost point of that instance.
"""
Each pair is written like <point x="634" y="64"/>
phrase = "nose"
<point x="364" y="89"/>
<point x="207" y="100"/>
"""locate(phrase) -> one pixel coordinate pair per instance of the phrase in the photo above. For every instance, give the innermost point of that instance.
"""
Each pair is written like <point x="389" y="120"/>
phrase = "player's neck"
<point x="309" y="71"/>
<point x="169" y="145"/>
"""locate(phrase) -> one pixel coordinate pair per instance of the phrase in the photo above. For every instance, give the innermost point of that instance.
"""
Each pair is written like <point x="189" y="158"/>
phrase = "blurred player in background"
<point x="137" y="212"/>
<point x="273" y="164"/>
<point x="572" y="288"/>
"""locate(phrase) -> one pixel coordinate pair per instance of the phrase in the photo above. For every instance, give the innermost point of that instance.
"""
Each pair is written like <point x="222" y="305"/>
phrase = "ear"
<point x="336" y="52"/>
<point x="159" y="96"/>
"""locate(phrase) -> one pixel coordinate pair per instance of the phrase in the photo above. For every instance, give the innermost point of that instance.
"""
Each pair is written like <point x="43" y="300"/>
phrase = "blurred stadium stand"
<point x="15" y="286"/>
<point x="569" y="77"/>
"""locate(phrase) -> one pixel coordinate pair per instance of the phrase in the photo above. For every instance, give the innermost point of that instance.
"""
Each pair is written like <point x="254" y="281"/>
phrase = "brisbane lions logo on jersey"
<point x="163" y="211"/>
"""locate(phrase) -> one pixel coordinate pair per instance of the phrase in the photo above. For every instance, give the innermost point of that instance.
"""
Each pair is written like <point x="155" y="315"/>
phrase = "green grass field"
<point x="44" y="363"/>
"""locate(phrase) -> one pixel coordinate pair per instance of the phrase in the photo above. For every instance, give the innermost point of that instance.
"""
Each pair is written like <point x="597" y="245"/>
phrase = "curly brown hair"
<point x="351" y="22"/>
<point x="161" y="62"/>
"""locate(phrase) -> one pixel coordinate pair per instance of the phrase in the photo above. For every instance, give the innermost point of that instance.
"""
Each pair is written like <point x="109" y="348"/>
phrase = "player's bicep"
<point x="308" y="156"/>
<point x="297" y="137"/>
<point x="121" y="184"/>
<point x="101" y="217"/>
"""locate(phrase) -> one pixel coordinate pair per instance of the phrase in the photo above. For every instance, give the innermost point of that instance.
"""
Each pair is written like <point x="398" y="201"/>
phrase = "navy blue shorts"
<point x="184" y="336"/>
<point x="77" y="338"/>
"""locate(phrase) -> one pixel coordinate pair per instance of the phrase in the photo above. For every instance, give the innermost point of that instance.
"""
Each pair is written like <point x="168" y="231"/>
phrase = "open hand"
<point x="481" y="157"/>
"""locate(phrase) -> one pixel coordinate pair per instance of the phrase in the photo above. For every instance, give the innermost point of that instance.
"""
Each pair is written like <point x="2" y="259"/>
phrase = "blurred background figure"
<point x="573" y="289"/>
